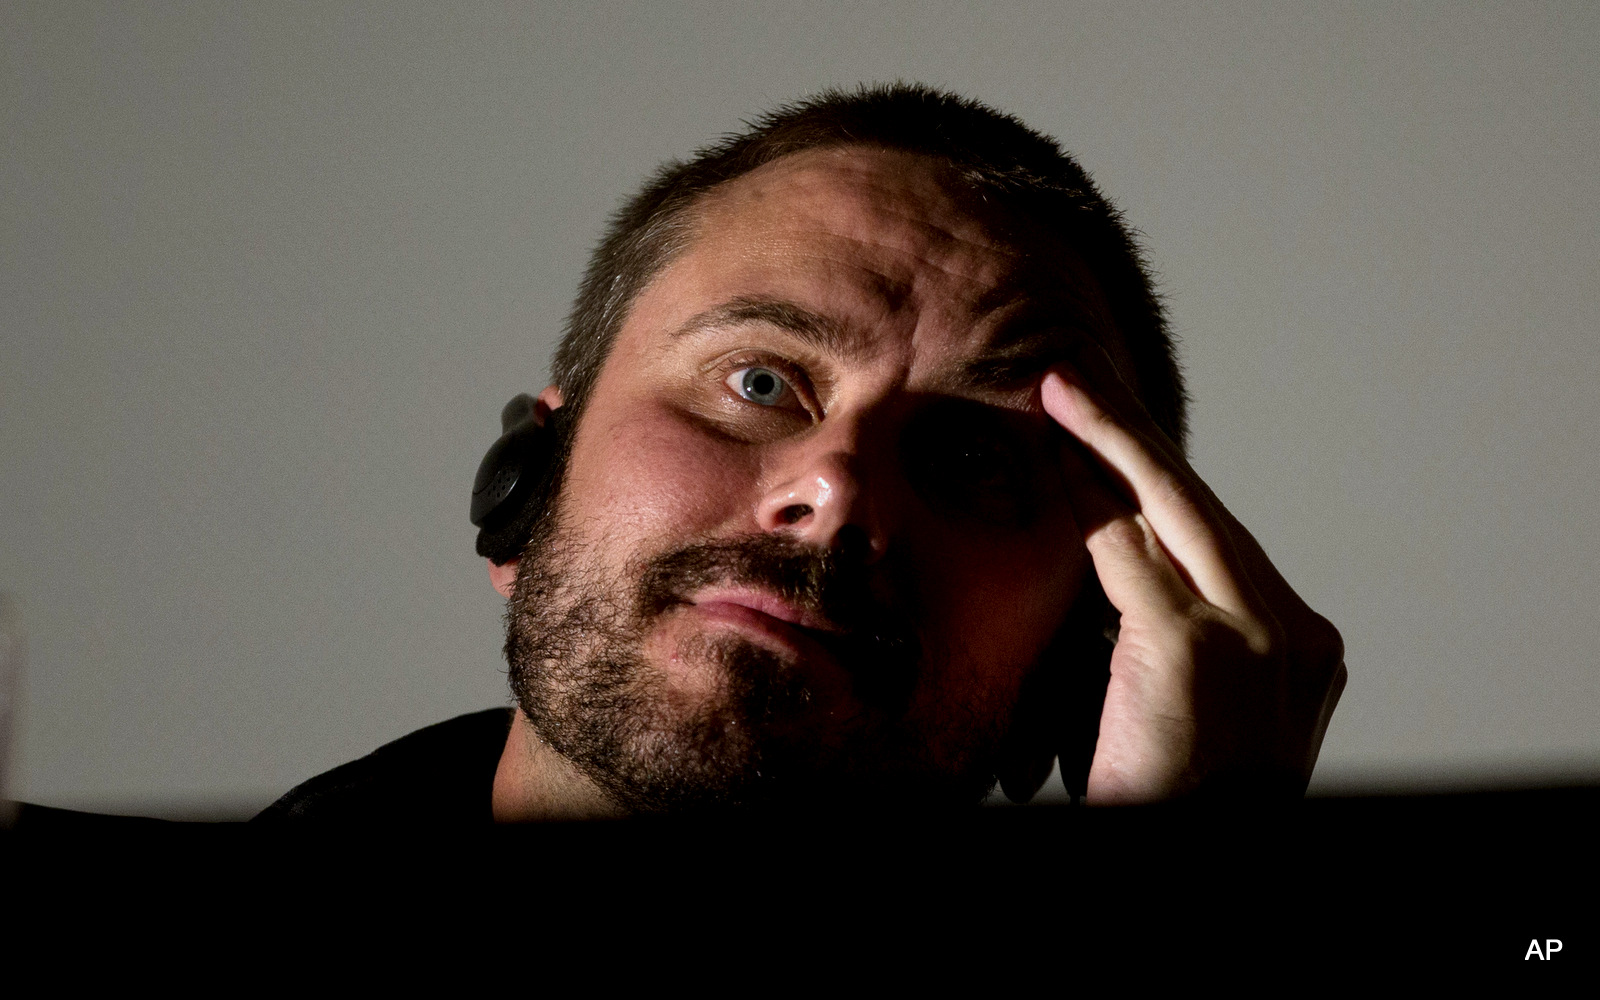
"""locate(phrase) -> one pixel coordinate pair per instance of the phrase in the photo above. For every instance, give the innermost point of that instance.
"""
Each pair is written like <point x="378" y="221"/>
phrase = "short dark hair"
<point x="1018" y="167"/>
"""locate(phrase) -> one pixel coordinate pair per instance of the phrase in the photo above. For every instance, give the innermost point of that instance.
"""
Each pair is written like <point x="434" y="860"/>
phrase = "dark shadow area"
<point x="1408" y="880"/>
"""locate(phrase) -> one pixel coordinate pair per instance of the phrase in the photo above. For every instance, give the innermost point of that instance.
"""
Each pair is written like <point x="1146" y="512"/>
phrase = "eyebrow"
<point x="1025" y="347"/>
<point x="1012" y="367"/>
<point x="818" y="331"/>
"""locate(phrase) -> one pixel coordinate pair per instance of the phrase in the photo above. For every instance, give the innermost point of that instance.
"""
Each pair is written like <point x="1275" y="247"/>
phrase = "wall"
<point x="271" y="269"/>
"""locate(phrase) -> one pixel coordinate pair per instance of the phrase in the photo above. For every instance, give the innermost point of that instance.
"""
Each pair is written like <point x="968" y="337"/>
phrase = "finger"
<point x="1134" y="569"/>
<point x="1116" y="393"/>
<point x="1264" y="575"/>
<point x="1166" y="493"/>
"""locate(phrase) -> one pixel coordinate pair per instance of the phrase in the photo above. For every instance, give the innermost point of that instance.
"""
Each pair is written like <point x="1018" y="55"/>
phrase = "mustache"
<point x="877" y="643"/>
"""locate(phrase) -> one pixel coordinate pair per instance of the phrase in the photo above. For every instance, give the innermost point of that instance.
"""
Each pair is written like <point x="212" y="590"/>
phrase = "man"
<point x="863" y="481"/>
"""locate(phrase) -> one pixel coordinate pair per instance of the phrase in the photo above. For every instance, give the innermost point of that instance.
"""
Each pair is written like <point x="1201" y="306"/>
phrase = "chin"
<point x="755" y="678"/>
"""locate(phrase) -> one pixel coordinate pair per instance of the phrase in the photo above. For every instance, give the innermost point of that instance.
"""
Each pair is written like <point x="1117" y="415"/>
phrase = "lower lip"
<point x="775" y="631"/>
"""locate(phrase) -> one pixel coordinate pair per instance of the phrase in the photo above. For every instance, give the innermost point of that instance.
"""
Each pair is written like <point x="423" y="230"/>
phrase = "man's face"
<point x="813" y="536"/>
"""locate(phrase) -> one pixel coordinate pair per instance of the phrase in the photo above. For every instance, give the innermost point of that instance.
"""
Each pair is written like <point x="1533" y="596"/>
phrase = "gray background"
<point x="271" y="269"/>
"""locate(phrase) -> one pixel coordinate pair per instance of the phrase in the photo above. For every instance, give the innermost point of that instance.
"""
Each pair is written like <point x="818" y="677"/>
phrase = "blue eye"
<point x="762" y="386"/>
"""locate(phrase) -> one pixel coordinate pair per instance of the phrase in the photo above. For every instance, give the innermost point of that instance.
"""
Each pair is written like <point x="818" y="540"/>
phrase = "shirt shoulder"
<point x="440" y="775"/>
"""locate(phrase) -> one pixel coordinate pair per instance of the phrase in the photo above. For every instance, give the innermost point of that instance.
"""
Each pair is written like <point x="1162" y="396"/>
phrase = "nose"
<point x="821" y="498"/>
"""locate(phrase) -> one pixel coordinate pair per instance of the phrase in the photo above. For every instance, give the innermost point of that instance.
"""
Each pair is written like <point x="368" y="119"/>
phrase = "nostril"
<point x="794" y="513"/>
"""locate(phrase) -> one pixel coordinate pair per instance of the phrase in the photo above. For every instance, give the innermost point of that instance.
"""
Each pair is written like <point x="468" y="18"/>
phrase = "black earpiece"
<point x="515" y="470"/>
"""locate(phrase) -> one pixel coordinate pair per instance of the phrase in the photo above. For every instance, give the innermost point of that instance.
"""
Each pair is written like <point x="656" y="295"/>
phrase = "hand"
<point x="1222" y="680"/>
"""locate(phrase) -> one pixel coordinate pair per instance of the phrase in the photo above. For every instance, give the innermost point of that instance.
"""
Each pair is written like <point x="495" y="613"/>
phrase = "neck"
<point x="535" y="783"/>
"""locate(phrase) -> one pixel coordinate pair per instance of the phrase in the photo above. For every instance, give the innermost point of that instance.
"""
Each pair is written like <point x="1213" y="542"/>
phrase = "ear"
<point x="503" y="576"/>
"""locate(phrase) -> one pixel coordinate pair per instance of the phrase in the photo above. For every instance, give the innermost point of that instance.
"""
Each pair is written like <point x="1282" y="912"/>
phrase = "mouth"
<point x="773" y="621"/>
<point x="800" y="605"/>
<point x="850" y="674"/>
<point x="766" y="604"/>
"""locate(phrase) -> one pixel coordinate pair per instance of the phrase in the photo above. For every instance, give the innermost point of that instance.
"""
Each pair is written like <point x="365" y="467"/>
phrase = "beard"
<point x="757" y="732"/>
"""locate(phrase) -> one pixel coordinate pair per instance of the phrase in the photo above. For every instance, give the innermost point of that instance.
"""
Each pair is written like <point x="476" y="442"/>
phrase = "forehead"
<point x="894" y="249"/>
<point x="900" y="207"/>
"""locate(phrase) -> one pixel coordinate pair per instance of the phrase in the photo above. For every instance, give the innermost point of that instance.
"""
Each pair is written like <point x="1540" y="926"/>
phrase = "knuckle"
<point x="1200" y="628"/>
<point x="1321" y="641"/>
<point x="1264" y="640"/>
<point x="1168" y="489"/>
<point x="1271" y="637"/>
<point x="1180" y="492"/>
<point x="1255" y="640"/>
<point x="1126" y="533"/>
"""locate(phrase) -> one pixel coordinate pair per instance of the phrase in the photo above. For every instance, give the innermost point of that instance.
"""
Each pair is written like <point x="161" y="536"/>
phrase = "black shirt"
<point x="441" y="775"/>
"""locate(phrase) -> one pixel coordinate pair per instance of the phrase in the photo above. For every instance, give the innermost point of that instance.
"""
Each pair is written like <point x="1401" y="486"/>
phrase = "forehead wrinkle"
<point x="931" y="257"/>
<point x="890" y="283"/>
<point x="935" y="243"/>
<point x="1019" y="336"/>
<point x="997" y="355"/>
<point x="920" y="280"/>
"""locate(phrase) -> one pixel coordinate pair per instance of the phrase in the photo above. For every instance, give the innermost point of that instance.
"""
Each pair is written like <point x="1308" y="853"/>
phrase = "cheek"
<point x="998" y="602"/>
<point x="649" y="479"/>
